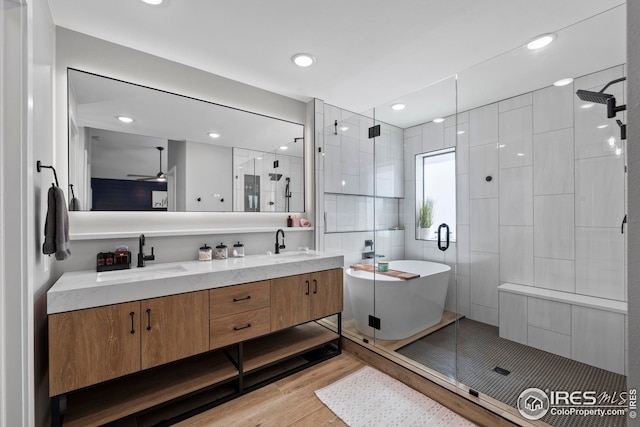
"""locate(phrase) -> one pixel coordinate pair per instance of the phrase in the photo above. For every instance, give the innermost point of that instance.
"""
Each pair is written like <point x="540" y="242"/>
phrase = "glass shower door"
<point x="416" y="228"/>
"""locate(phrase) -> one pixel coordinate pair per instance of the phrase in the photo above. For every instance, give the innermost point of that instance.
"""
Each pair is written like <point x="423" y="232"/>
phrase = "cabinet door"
<point x="326" y="293"/>
<point x="290" y="301"/>
<point x="89" y="346"/>
<point x="174" y="327"/>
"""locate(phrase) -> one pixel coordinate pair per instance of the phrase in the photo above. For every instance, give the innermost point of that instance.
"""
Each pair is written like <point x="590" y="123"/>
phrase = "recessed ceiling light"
<point x="258" y="158"/>
<point x="153" y="2"/>
<point x="586" y="106"/>
<point x="125" y="119"/>
<point x="214" y="134"/>
<point x="344" y="128"/>
<point x="438" y="120"/>
<point x="303" y="59"/>
<point x="460" y="132"/>
<point x="540" y="41"/>
<point x="563" y="82"/>
<point x="398" y="106"/>
<point x="502" y="145"/>
<point x="283" y="147"/>
<point x="602" y="126"/>
<point x="520" y="154"/>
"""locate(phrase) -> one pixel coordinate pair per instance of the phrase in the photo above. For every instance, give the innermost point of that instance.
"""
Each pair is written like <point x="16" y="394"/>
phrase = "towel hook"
<point x="39" y="166"/>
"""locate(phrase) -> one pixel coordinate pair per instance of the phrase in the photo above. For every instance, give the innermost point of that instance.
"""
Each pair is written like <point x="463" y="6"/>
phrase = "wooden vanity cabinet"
<point x="239" y="313"/>
<point x="90" y="346"/>
<point x="99" y="345"/>
<point x="298" y="299"/>
<point x="174" y="327"/>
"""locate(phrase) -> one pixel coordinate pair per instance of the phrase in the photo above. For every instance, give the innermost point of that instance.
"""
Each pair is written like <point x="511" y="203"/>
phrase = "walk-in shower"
<point x="537" y="295"/>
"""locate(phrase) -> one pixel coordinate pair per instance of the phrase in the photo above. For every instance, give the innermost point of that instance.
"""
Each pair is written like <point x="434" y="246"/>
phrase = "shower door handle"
<point x="443" y="246"/>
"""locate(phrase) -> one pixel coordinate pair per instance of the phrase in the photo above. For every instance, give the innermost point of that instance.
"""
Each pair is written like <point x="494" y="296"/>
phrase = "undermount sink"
<point x="139" y="273"/>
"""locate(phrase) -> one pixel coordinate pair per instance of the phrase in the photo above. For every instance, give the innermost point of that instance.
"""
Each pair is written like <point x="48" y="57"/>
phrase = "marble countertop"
<point x="85" y="289"/>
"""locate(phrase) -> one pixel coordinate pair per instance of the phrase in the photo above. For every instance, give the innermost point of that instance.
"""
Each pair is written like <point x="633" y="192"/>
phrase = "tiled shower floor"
<point x="480" y="350"/>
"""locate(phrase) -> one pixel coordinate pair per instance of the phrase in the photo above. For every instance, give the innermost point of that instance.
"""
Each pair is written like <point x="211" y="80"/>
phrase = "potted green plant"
<point x="425" y="218"/>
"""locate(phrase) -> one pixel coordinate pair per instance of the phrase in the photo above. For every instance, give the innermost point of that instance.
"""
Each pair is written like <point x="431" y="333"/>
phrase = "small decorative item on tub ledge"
<point x="383" y="266"/>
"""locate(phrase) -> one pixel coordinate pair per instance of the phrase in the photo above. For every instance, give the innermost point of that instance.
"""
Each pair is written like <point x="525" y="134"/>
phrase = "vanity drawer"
<point x="239" y="327"/>
<point x="239" y="298"/>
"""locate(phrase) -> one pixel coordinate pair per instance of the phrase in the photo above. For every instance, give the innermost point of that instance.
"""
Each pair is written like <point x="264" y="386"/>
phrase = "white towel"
<point x="56" y="226"/>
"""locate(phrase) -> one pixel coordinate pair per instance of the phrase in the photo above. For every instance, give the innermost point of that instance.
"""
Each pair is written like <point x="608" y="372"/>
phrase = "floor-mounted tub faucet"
<point x="278" y="245"/>
<point x="141" y="256"/>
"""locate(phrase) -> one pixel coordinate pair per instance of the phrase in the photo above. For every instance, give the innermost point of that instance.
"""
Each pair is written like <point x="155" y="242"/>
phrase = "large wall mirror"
<point x="134" y="148"/>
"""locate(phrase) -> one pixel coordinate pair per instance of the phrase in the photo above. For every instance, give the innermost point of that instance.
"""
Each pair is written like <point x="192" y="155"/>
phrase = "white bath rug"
<point x="369" y="397"/>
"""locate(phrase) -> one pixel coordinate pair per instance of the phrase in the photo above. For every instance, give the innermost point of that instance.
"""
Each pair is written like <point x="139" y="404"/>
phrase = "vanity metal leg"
<point x="56" y="416"/>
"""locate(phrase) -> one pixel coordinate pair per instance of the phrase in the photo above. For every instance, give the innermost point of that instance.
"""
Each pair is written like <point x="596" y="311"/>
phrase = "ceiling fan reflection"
<point x="160" y="176"/>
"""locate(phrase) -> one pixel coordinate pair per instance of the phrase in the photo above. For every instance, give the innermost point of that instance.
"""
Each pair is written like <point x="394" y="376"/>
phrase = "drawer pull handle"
<point x="133" y="331"/>
<point x="242" y="299"/>
<point x="315" y="286"/>
<point x="307" y="282"/>
<point x="148" y="319"/>
<point x="235" y="328"/>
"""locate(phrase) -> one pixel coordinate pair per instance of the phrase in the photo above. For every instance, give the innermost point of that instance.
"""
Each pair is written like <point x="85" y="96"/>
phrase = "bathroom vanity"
<point x="123" y="342"/>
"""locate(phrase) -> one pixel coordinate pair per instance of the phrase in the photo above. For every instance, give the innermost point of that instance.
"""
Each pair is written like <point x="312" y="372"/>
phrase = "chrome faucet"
<point x="141" y="256"/>
<point x="278" y="245"/>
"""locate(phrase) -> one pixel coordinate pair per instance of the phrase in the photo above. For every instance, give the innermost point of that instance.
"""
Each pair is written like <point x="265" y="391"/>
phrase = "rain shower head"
<point x="595" y="97"/>
<point x="603" y="98"/>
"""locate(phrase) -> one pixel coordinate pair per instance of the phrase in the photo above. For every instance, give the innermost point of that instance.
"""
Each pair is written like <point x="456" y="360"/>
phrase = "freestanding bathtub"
<point x="404" y="307"/>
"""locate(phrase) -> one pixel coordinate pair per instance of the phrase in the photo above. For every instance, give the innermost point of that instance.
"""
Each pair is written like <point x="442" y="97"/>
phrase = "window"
<point x="435" y="193"/>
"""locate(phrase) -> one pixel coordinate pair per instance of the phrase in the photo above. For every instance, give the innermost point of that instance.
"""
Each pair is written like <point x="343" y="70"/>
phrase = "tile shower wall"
<point x="359" y="186"/>
<point x="551" y="214"/>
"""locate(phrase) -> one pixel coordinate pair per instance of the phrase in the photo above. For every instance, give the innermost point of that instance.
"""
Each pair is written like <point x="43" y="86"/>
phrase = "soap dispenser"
<point x="289" y="221"/>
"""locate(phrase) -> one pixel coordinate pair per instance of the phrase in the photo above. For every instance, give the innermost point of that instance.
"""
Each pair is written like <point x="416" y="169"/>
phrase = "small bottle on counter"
<point x="100" y="259"/>
<point x="221" y="252"/>
<point x="205" y="253"/>
<point x="108" y="260"/>
<point x="238" y="250"/>
<point x="289" y="221"/>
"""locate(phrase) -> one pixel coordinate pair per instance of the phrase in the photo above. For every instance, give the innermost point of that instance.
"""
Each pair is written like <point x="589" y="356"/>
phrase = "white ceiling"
<point x="369" y="52"/>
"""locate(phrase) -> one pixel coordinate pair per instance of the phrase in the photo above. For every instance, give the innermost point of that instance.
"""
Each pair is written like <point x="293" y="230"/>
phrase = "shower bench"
<point x="584" y="328"/>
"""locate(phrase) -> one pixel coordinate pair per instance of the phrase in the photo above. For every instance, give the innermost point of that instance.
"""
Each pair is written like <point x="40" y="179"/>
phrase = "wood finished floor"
<point x="288" y="402"/>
